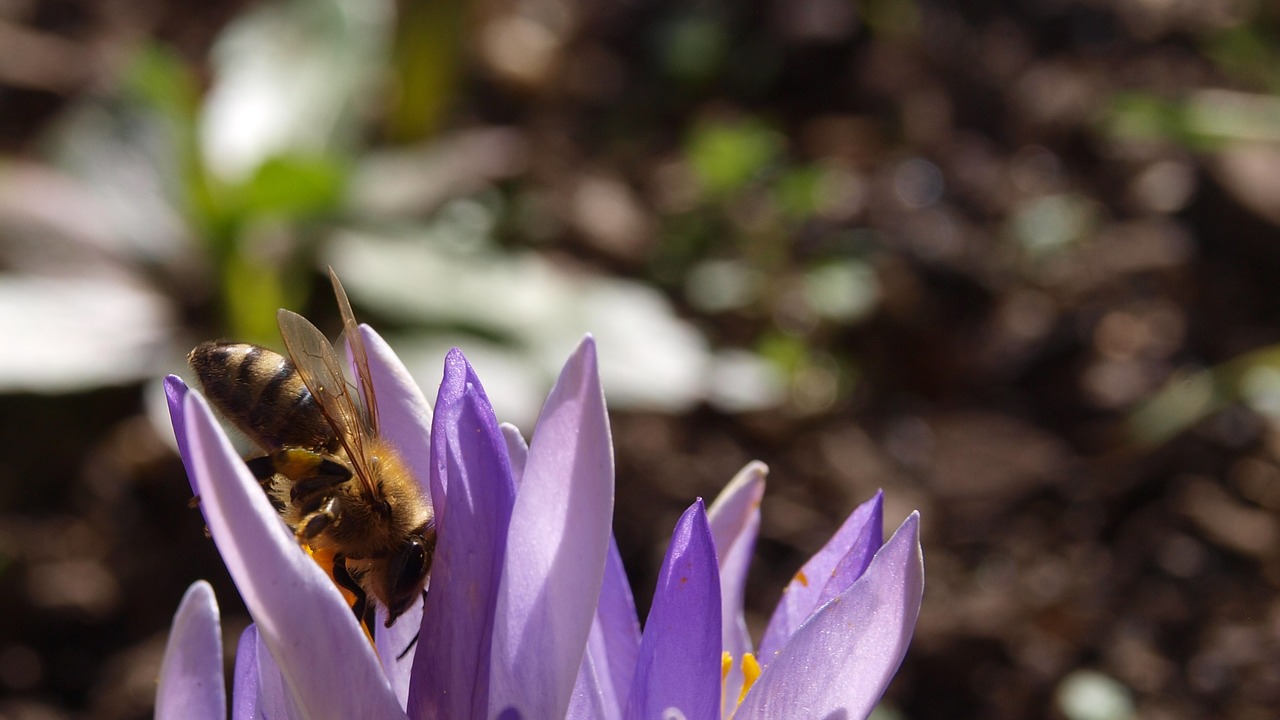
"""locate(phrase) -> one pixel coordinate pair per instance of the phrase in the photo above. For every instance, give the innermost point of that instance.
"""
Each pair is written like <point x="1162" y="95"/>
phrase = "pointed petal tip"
<point x="174" y="392"/>
<point x="191" y="678"/>
<point x="583" y="364"/>
<point x="200" y="591"/>
<point x="750" y="479"/>
<point x="912" y="523"/>
<point x="457" y="372"/>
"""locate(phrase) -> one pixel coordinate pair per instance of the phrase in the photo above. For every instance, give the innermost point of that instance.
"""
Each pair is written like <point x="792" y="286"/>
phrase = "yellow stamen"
<point x="726" y="664"/>
<point x="802" y="578"/>
<point x="750" y="672"/>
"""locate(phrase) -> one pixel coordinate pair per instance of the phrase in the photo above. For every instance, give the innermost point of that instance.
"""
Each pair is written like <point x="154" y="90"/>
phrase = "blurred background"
<point x="1014" y="262"/>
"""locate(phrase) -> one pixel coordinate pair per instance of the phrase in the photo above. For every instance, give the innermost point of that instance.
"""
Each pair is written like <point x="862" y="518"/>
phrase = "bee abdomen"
<point x="262" y="393"/>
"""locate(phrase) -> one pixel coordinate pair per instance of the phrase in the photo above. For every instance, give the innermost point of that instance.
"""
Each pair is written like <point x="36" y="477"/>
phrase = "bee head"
<point x="407" y="572"/>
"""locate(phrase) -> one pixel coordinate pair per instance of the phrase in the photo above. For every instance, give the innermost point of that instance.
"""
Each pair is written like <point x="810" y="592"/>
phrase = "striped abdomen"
<point x="262" y="394"/>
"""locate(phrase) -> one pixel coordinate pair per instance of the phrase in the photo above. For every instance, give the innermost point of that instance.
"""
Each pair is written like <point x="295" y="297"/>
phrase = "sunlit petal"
<point x="832" y="569"/>
<point x="175" y="390"/>
<point x="556" y="547"/>
<point x="277" y="699"/>
<point x="839" y="662"/>
<point x="588" y="701"/>
<point x="678" y="665"/>
<point x="396" y="645"/>
<point x="517" y="450"/>
<point x="246" y="685"/>
<point x="469" y="457"/>
<point x="735" y="521"/>
<point x="610" y="661"/>
<point x="191" y="684"/>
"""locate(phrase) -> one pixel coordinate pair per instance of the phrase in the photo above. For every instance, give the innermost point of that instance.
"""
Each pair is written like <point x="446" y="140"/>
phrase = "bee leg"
<point x="263" y="468"/>
<point x="342" y="576"/>
<point x="314" y="523"/>
<point x="408" y="647"/>
<point x="320" y="483"/>
<point x="414" y="641"/>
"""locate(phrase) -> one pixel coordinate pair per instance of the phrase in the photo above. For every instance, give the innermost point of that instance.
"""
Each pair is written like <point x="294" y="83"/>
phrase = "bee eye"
<point x="410" y="567"/>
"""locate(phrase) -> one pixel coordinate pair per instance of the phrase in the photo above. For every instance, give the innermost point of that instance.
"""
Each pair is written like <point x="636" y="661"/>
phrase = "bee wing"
<point x="356" y="341"/>
<point x="321" y="371"/>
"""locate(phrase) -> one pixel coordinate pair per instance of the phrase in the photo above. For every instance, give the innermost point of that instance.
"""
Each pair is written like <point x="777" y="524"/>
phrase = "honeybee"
<point x="344" y="489"/>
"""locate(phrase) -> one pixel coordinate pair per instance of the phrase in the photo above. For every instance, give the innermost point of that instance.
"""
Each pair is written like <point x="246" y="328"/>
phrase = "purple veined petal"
<point x="276" y="700"/>
<point x="403" y="413"/>
<point x="839" y="662"/>
<point x="329" y="666"/>
<point x="396" y="645"/>
<point x="517" y="450"/>
<point x="450" y="676"/>
<point x="258" y="690"/>
<point x="246" y="685"/>
<point x="191" y="684"/>
<point x="678" y="667"/>
<point x="556" y="547"/>
<point x="587" y="701"/>
<point x="174" y="392"/>
<point x="612" y="647"/>
<point x="735" y="521"/>
<point x="841" y="561"/>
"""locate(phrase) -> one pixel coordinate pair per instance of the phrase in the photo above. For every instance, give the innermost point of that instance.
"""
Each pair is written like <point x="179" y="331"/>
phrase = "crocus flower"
<point x="528" y="613"/>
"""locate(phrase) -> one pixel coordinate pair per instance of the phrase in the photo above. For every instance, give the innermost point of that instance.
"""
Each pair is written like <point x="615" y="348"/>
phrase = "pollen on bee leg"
<point x="324" y="557"/>
<point x="327" y="560"/>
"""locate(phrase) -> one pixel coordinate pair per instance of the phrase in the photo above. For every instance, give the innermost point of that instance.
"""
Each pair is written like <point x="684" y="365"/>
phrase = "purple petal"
<point x="451" y="669"/>
<point x="259" y="690"/>
<point x="735" y="521"/>
<point x="612" y="647"/>
<point x="517" y="450"/>
<point x="556" y="547"/>
<point x="276" y="700"/>
<point x="174" y="392"/>
<point x="191" y="684"/>
<point x="330" y="673"/>
<point x="832" y="569"/>
<point x="246" y="687"/>
<point x="396" y="645"/>
<point x="839" y="663"/>
<point x="587" y="702"/>
<point x="679" y="661"/>
<point x="403" y="413"/>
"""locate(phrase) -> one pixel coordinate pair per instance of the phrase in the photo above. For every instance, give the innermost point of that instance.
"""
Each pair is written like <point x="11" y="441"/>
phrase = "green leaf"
<point x="294" y="186"/>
